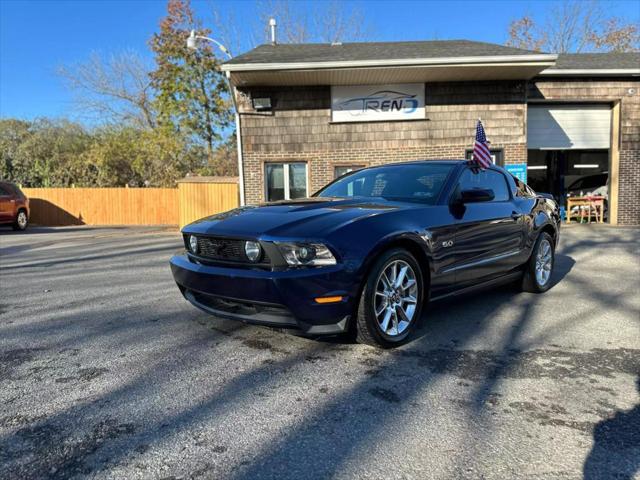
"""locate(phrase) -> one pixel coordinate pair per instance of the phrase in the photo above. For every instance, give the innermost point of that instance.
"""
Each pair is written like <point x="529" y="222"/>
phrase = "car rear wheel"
<point x="22" y="221"/>
<point x="539" y="268"/>
<point x="391" y="300"/>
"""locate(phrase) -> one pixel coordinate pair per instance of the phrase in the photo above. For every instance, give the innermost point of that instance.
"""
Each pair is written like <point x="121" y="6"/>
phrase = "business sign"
<point x="374" y="103"/>
<point x="518" y="170"/>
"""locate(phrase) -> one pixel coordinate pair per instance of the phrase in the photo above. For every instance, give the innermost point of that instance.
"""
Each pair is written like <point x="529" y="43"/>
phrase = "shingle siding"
<point x="301" y="120"/>
<point x="299" y="128"/>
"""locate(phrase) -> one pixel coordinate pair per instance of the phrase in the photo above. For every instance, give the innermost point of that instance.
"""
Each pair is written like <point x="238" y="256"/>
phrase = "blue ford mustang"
<point x="366" y="252"/>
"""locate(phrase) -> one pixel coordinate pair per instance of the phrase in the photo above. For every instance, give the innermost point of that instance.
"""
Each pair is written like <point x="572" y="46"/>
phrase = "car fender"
<point x="422" y="244"/>
<point x="540" y="221"/>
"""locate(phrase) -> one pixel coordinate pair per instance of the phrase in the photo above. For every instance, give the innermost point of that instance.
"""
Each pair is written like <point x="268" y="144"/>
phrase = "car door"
<point x="489" y="235"/>
<point x="6" y="203"/>
<point x="440" y="234"/>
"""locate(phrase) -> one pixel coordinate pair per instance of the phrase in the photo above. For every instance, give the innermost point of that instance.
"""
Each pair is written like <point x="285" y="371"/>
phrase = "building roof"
<point x="409" y="62"/>
<point x="598" y="60"/>
<point x="612" y="63"/>
<point x="382" y="51"/>
<point x="383" y="62"/>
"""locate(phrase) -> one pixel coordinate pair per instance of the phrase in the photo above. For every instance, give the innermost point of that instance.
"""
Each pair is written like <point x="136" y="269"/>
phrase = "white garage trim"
<point x="568" y="127"/>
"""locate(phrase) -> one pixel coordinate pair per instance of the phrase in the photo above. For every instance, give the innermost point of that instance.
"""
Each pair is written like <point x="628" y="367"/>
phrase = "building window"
<point x="342" y="169"/>
<point x="285" y="181"/>
<point x="497" y="156"/>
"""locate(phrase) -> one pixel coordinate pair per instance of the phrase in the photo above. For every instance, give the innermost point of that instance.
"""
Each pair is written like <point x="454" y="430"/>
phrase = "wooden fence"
<point x="203" y="196"/>
<point x="130" y="206"/>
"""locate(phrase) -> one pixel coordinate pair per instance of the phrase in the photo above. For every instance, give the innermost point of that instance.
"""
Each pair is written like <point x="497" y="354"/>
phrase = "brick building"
<point x="567" y="124"/>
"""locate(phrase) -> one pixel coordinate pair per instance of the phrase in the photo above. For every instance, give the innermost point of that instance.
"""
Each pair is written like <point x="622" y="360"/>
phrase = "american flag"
<point x="481" y="152"/>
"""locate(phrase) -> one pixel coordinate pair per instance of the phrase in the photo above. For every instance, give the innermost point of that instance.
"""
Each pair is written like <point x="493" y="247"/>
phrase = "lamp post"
<point x="192" y="44"/>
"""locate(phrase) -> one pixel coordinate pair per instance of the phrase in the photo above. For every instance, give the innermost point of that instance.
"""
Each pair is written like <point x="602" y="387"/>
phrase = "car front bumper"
<point x="284" y="299"/>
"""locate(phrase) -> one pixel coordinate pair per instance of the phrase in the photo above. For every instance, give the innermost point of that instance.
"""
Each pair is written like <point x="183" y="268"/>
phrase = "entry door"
<point x="489" y="235"/>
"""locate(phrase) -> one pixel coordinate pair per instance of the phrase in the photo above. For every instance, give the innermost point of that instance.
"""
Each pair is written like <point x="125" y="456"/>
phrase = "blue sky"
<point x="36" y="37"/>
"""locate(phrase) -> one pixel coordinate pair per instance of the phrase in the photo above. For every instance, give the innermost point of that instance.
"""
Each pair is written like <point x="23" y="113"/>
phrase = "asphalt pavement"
<point x="106" y="372"/>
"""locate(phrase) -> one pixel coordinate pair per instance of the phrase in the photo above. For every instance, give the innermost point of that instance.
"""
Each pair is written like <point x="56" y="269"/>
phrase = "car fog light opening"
<point x="253" y="250"/>
<point x="307" y="254"/>
<point x="193" y="243"/>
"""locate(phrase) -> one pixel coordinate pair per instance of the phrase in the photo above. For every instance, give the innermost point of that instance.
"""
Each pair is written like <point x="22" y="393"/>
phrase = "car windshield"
<point x="409" y="182"/>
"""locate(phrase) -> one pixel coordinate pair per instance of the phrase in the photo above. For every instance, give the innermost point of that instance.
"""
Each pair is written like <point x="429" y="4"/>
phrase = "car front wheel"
<point x="21" y="221"/>
<point x="391" y="300"/>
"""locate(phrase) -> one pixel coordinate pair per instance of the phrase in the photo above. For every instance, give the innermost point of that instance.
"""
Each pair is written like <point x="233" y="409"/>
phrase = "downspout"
<point x="233" y="92"/>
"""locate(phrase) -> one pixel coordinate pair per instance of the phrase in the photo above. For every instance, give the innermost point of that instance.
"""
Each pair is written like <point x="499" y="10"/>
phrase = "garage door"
<point x="572" y="127"/>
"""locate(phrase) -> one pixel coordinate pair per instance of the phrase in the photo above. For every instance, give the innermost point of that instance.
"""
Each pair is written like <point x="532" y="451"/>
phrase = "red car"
<point x="14" y="206"/>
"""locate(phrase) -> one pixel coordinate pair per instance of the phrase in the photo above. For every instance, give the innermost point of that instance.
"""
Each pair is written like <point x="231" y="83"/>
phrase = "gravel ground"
<point x="106" y="372"/>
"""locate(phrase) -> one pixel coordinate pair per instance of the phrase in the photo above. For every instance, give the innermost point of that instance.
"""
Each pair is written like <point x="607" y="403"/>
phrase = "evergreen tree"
<point x="191" y="92"/>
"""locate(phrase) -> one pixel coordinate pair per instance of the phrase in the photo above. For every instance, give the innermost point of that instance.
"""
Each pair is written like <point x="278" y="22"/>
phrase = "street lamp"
<point x="192" y="44"/>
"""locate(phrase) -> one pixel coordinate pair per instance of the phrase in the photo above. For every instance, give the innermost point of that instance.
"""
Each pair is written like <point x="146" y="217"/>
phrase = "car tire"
<point x="395" y="299"/>
<point x="22" y="221"/>
<point x="539" y="269"/>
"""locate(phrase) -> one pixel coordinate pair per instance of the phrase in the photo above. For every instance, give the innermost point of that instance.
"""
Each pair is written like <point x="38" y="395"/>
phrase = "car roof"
<point x="437" y="162"/>
<point x="419" y="162"/>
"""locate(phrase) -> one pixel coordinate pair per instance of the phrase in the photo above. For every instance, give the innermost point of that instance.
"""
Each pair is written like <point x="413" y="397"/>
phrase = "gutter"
<point x="594" y="72"/>
<point x="234" y="92"/>
<point x="436" y="61"/>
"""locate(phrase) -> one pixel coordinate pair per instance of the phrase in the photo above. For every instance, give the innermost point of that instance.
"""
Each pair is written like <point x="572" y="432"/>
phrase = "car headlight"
<point x="193" y="243"/>
<point x="252" y="250"/>
<point x="307" y="254"/>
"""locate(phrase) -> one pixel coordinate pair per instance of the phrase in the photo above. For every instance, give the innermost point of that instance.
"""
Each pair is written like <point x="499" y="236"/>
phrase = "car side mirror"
<point x="476" y="195"/>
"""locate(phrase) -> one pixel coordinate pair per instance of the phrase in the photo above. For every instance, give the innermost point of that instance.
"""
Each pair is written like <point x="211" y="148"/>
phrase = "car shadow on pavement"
<point x="397" y="382"/>
<point x="513" y="341"/>
<point x="612" y="438"/>
<point x="485" y="300"/>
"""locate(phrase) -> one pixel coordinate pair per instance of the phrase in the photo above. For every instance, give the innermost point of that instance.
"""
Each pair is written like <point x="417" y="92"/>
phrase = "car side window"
<point x="522" y="189"/>
<point x="4" y="191"/>
<point x="485" y="179"/>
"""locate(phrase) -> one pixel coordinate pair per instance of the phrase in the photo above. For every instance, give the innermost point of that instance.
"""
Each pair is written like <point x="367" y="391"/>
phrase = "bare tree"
<point x="523" y="34"/>
<point x="326" y="22"/>
<point x="617" y="37"/>
<point x="334" y="24"/>
<point x="574" y="26"/>
<point x="116" y="89"/>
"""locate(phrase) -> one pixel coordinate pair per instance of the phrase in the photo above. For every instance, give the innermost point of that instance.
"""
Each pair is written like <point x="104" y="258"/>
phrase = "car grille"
<point x="273" y="313"/>
<point x="226" y="250"/>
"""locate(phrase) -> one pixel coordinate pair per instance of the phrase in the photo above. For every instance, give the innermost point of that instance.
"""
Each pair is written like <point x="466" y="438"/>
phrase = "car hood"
<point x="302" y="218"/>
